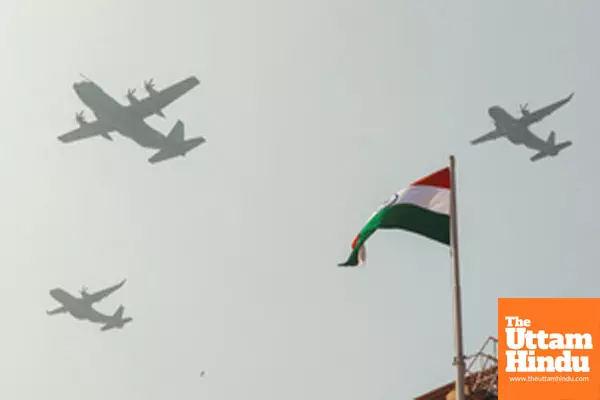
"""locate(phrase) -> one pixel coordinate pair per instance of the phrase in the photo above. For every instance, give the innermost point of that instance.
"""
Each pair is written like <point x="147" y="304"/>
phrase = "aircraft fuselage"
<point x="515" y="131"/>
<point x="119" y="118"/>
<point x="78" y="308"/>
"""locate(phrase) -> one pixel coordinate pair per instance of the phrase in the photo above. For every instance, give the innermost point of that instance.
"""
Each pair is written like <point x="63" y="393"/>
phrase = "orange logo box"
<point x="549" y="349"/>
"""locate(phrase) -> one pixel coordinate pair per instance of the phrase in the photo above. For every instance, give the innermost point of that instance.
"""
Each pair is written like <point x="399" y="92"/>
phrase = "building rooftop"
<point x="481" y="376"/>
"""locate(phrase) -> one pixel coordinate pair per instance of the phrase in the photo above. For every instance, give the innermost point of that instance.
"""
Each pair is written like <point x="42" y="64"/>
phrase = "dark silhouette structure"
<point x="82" y="307"/>
<point x="129" y="121"/>
<point x="516" y="130"/>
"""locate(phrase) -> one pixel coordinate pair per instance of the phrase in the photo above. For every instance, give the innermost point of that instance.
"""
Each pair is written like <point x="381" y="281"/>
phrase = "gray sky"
<point x="315" y="112"/>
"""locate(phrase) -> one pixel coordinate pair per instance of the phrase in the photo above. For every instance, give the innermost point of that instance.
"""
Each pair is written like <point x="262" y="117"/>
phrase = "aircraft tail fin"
<point x="552" y="139"/>
<point x="119" y="313"/>
<point x="177" y="132"/>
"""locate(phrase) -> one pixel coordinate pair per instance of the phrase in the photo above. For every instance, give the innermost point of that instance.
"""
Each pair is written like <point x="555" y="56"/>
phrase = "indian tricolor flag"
<point x="422" y="208"/>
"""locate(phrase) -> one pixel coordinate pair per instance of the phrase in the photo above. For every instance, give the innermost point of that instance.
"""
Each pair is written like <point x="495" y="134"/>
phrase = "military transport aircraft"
<point x="516" y="130"/>
<point x="81" y="308"/>
<point x="129" y="120"/>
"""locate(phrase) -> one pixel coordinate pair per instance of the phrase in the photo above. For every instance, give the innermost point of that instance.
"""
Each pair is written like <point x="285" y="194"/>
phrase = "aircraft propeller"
<point x="83" y="290"/>
<point x="149" y="84"/>
<point x="79" y="117"/>
<point x="524" y="109"/>
<point x="130" y="94"/>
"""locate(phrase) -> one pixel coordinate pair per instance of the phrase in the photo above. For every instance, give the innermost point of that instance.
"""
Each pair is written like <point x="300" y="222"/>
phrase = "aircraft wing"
<point x="58" y="310"/>
<point x="542" y="113"/>
<point x="99" y="295"/>
<point x="155" y="102"/>
<point x="487" y="137"/>
<point x="84" y="132"/>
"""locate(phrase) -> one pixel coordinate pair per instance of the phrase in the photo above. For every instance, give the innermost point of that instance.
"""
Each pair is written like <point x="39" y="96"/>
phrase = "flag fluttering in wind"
<point x="422" y="208"/>
<point x="426" y="207"/>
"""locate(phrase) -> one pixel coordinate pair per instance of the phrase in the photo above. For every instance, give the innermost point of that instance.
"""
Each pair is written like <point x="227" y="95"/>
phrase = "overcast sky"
<point x="314" y="112"/>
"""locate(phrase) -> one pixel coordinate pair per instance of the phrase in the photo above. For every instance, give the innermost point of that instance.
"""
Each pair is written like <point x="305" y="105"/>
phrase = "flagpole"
<point x="458" y="335"/>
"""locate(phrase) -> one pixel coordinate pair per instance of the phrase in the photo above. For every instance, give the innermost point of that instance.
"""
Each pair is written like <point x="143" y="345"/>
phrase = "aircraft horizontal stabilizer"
<point x="552" y="152"/>
<point x="175" y="150"/>
<point x="539" y="156"/>
<point x="176" y="145"/>
<point x="118" y="324"/>
<point x="117" y="320"/>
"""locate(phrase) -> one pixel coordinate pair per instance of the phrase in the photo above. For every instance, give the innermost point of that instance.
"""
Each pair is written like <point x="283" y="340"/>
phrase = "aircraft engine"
<point x="149" y="86"/>
<point x="131" y="96"/>
<point x="79" y="117"/>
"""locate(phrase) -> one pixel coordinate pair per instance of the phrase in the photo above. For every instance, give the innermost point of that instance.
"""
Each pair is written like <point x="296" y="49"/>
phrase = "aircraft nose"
<point x="54" y="292"/>
<point x="78" y="86"/>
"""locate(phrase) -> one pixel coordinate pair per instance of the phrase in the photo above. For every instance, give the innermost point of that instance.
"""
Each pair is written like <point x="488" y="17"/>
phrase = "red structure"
<point x="481" y="377"/>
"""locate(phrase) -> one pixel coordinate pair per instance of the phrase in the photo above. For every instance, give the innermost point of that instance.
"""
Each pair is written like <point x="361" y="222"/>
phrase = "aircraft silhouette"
<point x="116" y="320"/>
<point x="516" y="130"/>
<point x="129" y="121"/>
<point x="81" y="308"/>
